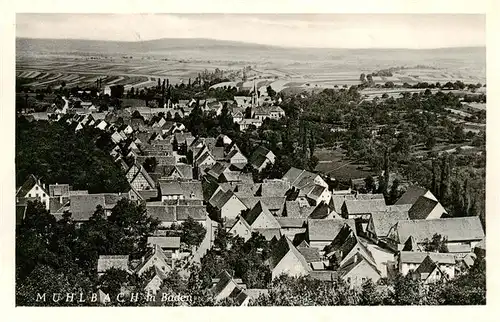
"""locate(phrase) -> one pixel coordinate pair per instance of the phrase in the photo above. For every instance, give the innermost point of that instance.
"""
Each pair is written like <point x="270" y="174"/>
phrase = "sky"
<point x="419" y="31"/>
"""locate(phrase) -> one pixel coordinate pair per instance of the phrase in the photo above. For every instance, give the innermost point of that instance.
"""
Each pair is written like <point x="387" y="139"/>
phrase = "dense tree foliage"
<point x="56" y="153"/>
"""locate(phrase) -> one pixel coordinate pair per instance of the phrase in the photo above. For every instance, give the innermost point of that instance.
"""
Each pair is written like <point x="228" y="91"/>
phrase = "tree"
<point x="150" y="164"/>
<point x="270" y="91"/>
<point x="362" y="78"/>
<point x="193" y="232"/>
<point x="436" y="244"/>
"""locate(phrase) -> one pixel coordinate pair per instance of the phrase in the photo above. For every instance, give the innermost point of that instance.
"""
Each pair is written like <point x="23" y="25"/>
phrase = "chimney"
<point x="355" y="257"/>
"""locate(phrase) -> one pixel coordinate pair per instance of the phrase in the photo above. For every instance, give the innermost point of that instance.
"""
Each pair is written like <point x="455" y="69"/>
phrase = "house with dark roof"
<point x="410" y="261"/>
<point x="170" y="214"/>
<point x="321" y="232"/>
<point x="169" y="245"/>
<point x="259" y="219"/>
<point x="274" y="204"/>
<point x="292" y="226"/>
<point x="429" y="272"/>
<point x="227" y="203"/>
<point x="241" y="229"/>
<point x="33" y="188"/>
<point x="261" y="158"/>
<point x="426" y="208"/>
<point x="301" y="178"/>
<point x="345" y="246"/>
<point x="285" y="259"/>
<point x="294" y="209"/>
<point x="225" y="286"/>
<point x="458" y="231"/>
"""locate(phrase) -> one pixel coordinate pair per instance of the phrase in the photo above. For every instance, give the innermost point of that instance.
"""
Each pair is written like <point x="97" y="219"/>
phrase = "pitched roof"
<point x="106" y="262"/>
<point x="338" y="201"/>
<point x="454" y="229"/>
<point x="286" y="222"/>
<point x="223" y="280"/>
<point x="145" y="174"/>
<point x="220" y="198"/>
<point x="275" y="187"/>
<point x="426" y="268"/>
<point x="384" y="220"/>
<point x="326" y="229"/>
<point x="311" y="254"/>
<point x="369" y="196"/>
<point x="82" y="207"/>
<point x="27" y="185"/>
<point x="418" y="257"/>
<point x="353" y="262"/>
<point x="164" y="242"/>
<point x="272" y="203"/>
<point x="295" y="210"/>
<point x="422" y="208"/>
<point x="281" y="248"/>
<point x="162" y="213"/>
<point x="321" y="211"/>
<point x="258" y="210"/>
<point x="195" y="212"/>
<point x="364" y="206"/>
<point x="411" y="195"/>
<point x="189" y="189"/>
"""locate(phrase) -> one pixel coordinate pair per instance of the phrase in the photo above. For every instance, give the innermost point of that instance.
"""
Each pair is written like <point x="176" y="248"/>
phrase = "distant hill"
<point x="125" y="47"/>
<point x="308" y="61"/>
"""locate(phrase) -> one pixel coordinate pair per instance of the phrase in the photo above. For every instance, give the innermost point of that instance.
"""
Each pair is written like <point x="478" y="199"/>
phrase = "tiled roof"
<point x="321" y="211"/>
<point x="338" y="201"/>
<point x="384" y="220"/>
<point x="272" y="203"/>
<point x="287" y="222"/>
<point x="411" y="195"/>
<point x="311" y="254"/>
<point x="195" y="212"/>
<point x="258" y="210"/>
<point x="422" y="208"/>
<point x="418" y="257"/>
<point x="364" y="206"/>
<point x="189" y="189"/>
<point x="82" y="207"/>
<point x="294" y="210"/>
<point x="106" y="262"/>
<point x="454" y="229"/>
<point x="164" y="242"/>
<point x="281" y="248"/>
<point x="162" y="213"/>
<point x="326" y="229"/>
<point x="278" y="188"/>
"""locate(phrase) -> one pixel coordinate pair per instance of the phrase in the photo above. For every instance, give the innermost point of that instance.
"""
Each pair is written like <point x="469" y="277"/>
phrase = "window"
<point x="37" y="195"/>
<point x="348" y="280"/>
<point x="36" y="187"/>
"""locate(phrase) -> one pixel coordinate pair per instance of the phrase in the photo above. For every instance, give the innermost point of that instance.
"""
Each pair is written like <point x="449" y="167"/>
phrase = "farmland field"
<point x="139" y="64"/>
<point x="334" y="163"/>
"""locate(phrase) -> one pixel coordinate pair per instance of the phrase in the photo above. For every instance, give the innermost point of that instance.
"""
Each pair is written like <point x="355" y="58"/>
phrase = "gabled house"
<point x="381" y="222"/>
<point x="321" y="232"/>
<point x="285" y="259"/>
<point x="301" y="178"/>
<point x="225" y="286"/>
<point x="361" y="210"/>
<point x="429" y="272"/>
<point x="261" y="158"/>
<point x="33" y="188"/>
<point x="154" y="258"/>
<point x="410" y="261"/>
<point x="358" y="269"/>
<point x="181" y="171"/>
<point x="241" y="229"/>
<point x="169" y="245"/>
<point x="139" y="178"/>
<point x="237" y="159"/>
<point x="426" y="208"/>
<point x="227" y="203"/>
<point x="345" y="246"/>
<point x="458" y="231"/>
<point x="181" y="190"/>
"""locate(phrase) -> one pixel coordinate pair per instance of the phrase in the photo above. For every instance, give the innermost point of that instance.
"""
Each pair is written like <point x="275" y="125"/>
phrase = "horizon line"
<point x="249" y="43"/>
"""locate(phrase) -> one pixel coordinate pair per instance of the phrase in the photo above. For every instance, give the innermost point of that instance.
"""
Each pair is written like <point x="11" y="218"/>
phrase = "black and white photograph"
<point x="245" y="159"/>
